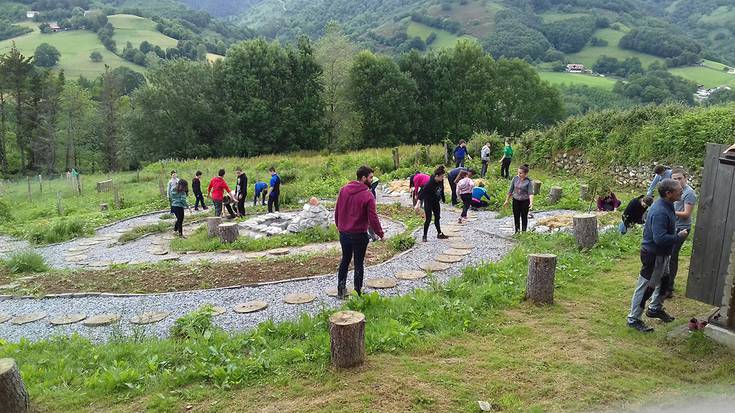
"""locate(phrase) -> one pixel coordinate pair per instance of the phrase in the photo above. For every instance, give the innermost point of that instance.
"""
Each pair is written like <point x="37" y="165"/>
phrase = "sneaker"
<point x="424" y="239"/>
<point x="441" y="236"/>
<point x="660" y="314"/>
<point x="196" y="209"/>
<point x="640" y="326"/>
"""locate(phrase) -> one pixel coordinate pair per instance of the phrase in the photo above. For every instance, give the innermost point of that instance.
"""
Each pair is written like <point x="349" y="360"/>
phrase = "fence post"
<point x="396" y="159"/>
<point x="116" y="195"/>
<point x="40" y="184"/>
<point x="446" y="153"/>
<point x="59" y="207"/>
<point x="30" y="195"/>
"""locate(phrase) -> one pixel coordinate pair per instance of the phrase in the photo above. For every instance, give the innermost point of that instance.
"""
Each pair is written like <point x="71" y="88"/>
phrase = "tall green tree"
<point x="76" y="124"/>
<point x="3" y="119"/>
<point x="16" y="70"/>
<point x="110" y="120"/>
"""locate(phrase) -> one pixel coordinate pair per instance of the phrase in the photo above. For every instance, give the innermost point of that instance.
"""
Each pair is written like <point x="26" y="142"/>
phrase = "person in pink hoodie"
<point x="354" y="214"/>
<point x="419" y="180"/>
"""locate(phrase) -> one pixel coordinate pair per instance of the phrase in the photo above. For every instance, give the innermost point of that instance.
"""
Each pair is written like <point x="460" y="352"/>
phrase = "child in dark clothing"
<point x="634" y="213"/>
<point x="196" y="187"/>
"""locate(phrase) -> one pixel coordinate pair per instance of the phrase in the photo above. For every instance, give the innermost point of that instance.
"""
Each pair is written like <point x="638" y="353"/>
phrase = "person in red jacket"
<point x="216" y="190"/>
<point x="354" y="214"/>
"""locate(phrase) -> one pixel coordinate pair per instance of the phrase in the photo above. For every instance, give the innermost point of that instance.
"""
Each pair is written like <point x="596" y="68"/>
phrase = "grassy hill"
<point x="444" y="39"/>
<point x="563" y="78"/>
<point x="589" y="55"/>
<point x="134" y="29"/>
<point x="710" y="75"/>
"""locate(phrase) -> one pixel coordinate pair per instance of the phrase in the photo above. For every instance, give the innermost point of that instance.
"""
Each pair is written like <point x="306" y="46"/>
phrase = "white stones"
<point x="251" y="307"/>
<point x="67" y="319"/>
<point x="5" y="317"/>
<point x="149" y="317"/>
<point x="433" y="266"/>
<point x="381" y="283"/>
<point x="449" y="259"/>
<point x="410" y="275"/>
<point x="27" y="318"/>
<point x="101" y="320"/>
<point x="299" y="298"/>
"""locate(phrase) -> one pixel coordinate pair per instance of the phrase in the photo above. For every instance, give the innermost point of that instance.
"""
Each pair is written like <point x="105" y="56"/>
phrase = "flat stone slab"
<point x="461" y="246"/>
<point x="450" y="259"/>
<point x="101" y="320"/>
<point x="157" y="251"/>
<point x="410" y="275"/>
<point x="77" y="249"/>
<point x="167" y="237"/>
<point x="332" y="291"/>
<point x="453" y="234"/>
<point x="5" y="317"/>
<point x="170" y="258"/>
<point x="217" y="310"/>
<point x="455" y="251"/>
<point x="255" y="255"/>
<point x="27" y="318"/>
<point x="150" y="317"/>
<point x="89" y="243"/>
<point x="67" y="319"/>
<point x="434" y="266"/>
<point x="299" y="298"/>
<point x="381" y="283"/>
<point x="123" y="230"/>
<point x="250" y="307"/>
<point x="76" y="258"/>
<point x="279" y="251"/>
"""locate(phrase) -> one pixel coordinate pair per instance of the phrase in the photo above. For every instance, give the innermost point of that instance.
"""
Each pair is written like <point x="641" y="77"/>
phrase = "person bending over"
<point x="431" y="195"/>
<point x="261" y="191"/>
<point x="479" y="196"/>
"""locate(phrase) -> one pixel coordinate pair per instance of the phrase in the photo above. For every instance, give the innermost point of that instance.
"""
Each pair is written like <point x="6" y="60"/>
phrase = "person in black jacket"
<point x="241" y="191"/>
<point x="196" y="187"/>
<point x="431" y="194"/>
<point x="634" y="213"/>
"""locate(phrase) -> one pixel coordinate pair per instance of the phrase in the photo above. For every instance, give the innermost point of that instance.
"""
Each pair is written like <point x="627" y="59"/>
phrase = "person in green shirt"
<point x="178" y="203"/>
<point x="505" y="160"/>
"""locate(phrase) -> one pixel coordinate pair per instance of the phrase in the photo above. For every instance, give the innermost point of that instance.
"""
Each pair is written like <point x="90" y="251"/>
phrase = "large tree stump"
<point x="229" y="232"/>
<point x="584" y="192"/>
<point x="554" y="194"/>
<point x="585" y="230"/>
<point x="213" y="226"/>
<point x="347" y="338"/>
<point x="537" y="187"/>
<point x="104" y="207"/>
<point x="13" y="395"/>
<point x="540" y="283"/>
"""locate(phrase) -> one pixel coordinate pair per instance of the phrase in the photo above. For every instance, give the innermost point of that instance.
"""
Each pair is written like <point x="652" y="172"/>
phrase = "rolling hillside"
<point x="134" y="29"/>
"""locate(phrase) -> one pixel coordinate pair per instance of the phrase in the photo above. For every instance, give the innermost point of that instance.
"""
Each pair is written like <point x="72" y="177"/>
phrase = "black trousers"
<point x="241" y="206"/>
<point x="453" y="186"/>
<point x="429" y="210"/>
<point x="466" y="203"/>
<point x="674" y="263"/>
<point x="520" y="214"/>
<point x="505" y="168"/>
<point x="262" y="196"/>
<point x="273" y="201"/>
<point x="230" y="210"/>
<point x="199" y="199"/>
<point x="179" y="225"/>
<point x="354" y="245"/>
<point x="480" y="204"/>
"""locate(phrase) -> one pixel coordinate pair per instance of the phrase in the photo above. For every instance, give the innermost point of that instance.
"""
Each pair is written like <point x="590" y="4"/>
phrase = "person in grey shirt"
<point x="661" y="172"/>
<point x="683" y="209"/>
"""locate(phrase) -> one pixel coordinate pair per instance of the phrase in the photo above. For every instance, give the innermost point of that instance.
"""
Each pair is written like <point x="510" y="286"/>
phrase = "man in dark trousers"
<point x="196" y="187"/>
<point x="659" y="237"/>
<point x="275" y="190"/>
<point x="261" y="191"/>
<point x="452" y="177"/>
<point x="241" y="191"/>
<point x="354" y="214"/>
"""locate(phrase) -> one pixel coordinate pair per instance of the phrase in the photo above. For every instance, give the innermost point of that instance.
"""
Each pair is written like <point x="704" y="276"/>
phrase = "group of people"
<point x="221" y="195"/>
<point x="461" y="153"/>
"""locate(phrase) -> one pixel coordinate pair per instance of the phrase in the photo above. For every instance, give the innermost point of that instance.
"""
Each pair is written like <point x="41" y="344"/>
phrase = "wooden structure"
<point x="540" y="282"/>
<point x="555" y="194"/>
<point x="585" y="230"/>
<point x="347" y="339"/>
<point x="396" y="159"/>
<point x="713" y="236"/>
<point x="104" y="186"/>
<point x="13" y="394"/>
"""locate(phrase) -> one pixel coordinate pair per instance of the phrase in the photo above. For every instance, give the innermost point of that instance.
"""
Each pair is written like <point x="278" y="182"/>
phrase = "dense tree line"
<point x="657" y="85"/>
<point x="570" y="35"/>
<point x="514" y="38"/>
<point x="677" y="49"/>
<point x="612" y="66"/>
<point x="437" y="22"/>
<point x="9" y="30"/>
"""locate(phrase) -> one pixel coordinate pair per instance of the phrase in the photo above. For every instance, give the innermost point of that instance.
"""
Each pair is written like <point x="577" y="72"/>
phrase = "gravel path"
<point x="486" y="233"/>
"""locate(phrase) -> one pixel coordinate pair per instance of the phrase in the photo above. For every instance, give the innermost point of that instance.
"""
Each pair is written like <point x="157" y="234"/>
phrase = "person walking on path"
<point x="505" y="160"/>
<point x="635" y="212"/>
<point x="178" y="203"/>
<point x="683" y="209"/>
<point x="465" y="185"/>
<point x="171" y="186"/>
<point x="479" y="194"/>
<point x="373" y="185"/>
<point x="216" y="190"/>
<point x="453" y="177"/>
<point x="273" y="196"/>
<point x="419" y="180"/>
<point x="659" y="237"/>
<point x="261" y="191"/>
<point x="241" y="191"/>
<point x="521" y="191"/>
<point x="354" y="213"/>
<point x="431" y="194"/>
<point x="662" y="173"/>
<point x="608" y="203"/>
<point x="196" y="188"/>
<point x="460" y="154"/>
<point x="484" y="158"/>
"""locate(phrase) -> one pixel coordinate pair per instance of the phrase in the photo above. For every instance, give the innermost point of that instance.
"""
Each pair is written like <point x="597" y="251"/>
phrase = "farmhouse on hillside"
<point x="575" y="68"/>
<point x="32" y="14"/>
<point x="54" y="27"/>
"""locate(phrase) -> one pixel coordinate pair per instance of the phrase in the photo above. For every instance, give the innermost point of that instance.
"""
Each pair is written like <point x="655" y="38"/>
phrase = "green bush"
<point x="402" y="242"/>
<point x="58" y="230"/>
<point x="194" y="325"/>
<point x="26" y="261"/>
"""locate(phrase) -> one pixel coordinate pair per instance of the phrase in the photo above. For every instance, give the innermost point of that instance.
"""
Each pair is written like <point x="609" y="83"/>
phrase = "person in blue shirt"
<point x="452" y="178"/>
<point x="659" y="239"/>
<point x="261" y="190"/>
<point x="273" y="197"/>
<point x="662" y="173"/>
<point x="460" y="153"/>
<point x="479" y="194"/>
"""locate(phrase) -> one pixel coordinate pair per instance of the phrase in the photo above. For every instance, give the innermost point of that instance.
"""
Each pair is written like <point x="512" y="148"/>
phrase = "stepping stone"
<point x="101" y="320"/>
<point x="99" y="264"/>
<point x="122" y="261"/>
<point x="89" y="243"/>
<point x="5" y="317"/>
<point x="411" y="275"/>
<point x="381" y="283"/>
<point x="453" y="234"/>
<point x="158" y="242"/>
<point x="433" y="266"/>
<point x="123" y="230"/>
<point x="454" y="251"/>
<point x="279" y="251"/>
<point x="332" y="291"/>
<point x="76" y="258"/>
<point x="78" y="249"/>
<point x="157" y="251"/>
<point x="448" y="258"/>
<point x="167" y="237"/>
<point x="250" y="307"/>
<point x="255" y="255"/>
<point x="299" y="298"/>
<point x="170" y="258"/>
<point x="150" y="317"/>
<point x="67" y="319"/>
<point x="461" y="246"/>
<point x="27" y="318"/>
<point x="217" y="310"/>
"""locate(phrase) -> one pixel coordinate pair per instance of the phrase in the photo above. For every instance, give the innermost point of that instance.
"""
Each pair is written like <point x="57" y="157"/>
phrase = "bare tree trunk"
<point x="540" y="282"/>
<point x="585" y="230"/>
<point x="13" y="394"/>
<point x="347" y="338"/>
<point x="229" y="232"/>
<point x="3" y="153"/>
<point x="213" y="224"/>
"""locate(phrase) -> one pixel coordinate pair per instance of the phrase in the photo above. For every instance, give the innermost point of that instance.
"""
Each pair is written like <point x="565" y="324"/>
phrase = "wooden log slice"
<point x="250" y="307"/>
<point x="89" y="243"/>
<point x="213" y="226"/>
<point x="101" y="320"/>
<point x="540" y="282"/>
<point x="229" y="232"/>
<point x="255" y="255"/>
<point x="27" y="318"/>
<point x="381" y="283"/>
<point x="149" y="317"/>
<point x="13" y="395"/>
<point x="5" y="317"/>
<point x="299" y="298"/>
<point x="455" y="251"/>
<point x="461" y="246"/>
<point x="433" y="266"/>
<point x="410" y="275"/>
<point x="585" y="230"/>
<point x="67" y="319"/>
<point x="279" y="251"/>
<point x="449" y="259"/>
<point x="347" y="339"/>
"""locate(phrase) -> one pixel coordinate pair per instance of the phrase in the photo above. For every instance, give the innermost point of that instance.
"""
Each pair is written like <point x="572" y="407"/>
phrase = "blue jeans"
<point x="623" y="228"/>
<point x="655" y="267"/>
<point x="353" y="245"/>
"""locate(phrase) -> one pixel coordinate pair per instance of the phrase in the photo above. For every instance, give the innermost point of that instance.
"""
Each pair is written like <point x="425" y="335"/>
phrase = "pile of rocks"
<point x="313" y="215"/>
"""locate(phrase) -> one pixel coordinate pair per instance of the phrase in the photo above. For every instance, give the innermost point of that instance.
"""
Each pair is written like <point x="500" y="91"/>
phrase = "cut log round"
<point x="332" y="291"/>
<point x="584" y="192"/>
<point x="213" y="226"/>
<point x="554" y="194"/>
<point x="229" y="232"/>
<point x="13" y="394"/>
<point x="381" y="283"/>
<point x="540" y="283"/>
<point x="347" y="338"/>
<point x="448" y="259"/>
<point x="433" y="266"/>
<point x="410" y="275"/>
<point x="456" y="251"/>
<point x="585" y="230"/>
<point x="250" y="307"/>
<point x="461" y="246"/>
<point x="299" y="298"/>
<point x="537" y="187"/>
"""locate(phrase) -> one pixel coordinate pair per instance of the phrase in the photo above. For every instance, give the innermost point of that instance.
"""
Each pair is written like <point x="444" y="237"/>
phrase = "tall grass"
<point x="200" y="241"/>
<point x="26" y="261"/>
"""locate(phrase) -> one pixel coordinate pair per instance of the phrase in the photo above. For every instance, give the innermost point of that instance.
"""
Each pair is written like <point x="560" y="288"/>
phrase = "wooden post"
<point x="427" y="154"/>
<point x="116" y="196"/>
<point x="59" y="207"/>
<point x="40" y="184"/>
<point x="585" y="230"/>
<point x="554" y="194"/>
<point x="396" y="159"/>
<point x="30" y="194"/>
<point x="584" y="192"/>
<point x="213" y="226"/>
<point x="537" y="187"/>
<point x="137" y="175"/>
<point x="347" y="339"/>
<point x="540" y="282"/>
<point x="13" y="394"/>
<point x="103" y="207"/>
<point x="446" y="153"/>
<point x="229" y="232"/>
<point x="161" y="189"/>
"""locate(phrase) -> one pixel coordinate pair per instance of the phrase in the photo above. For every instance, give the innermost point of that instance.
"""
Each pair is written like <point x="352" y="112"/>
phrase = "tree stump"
<point x="13" y="395"/>
<point x="213" y="226"/>
<point x="103" y="207"/>
<point x="537" y="187"/>
<point x="540" y="282"/>
<point x="104" y="186"/>
<point x="585" y="230"/>
<point x="347" y="338"/>
<point x="229" y="232"/>
<point x="584" y="192"/>
<point x="554" y="194"/>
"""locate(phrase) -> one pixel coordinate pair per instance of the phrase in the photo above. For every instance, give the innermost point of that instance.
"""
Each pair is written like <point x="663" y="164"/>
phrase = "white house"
<point x="575" y="68"/>
<point x="32" y="13"/>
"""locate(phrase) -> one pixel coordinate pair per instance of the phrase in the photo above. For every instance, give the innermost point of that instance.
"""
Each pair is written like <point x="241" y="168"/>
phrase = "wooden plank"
<point x="727" y="229"/>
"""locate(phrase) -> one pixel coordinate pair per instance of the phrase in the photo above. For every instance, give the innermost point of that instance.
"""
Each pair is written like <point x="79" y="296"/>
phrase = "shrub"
<point x="5" y="211"/>
<point x="26" y="261"/>
<point x="58" y="230"/>
<point x="194" y="325"/>
<point x="402" y="242"/>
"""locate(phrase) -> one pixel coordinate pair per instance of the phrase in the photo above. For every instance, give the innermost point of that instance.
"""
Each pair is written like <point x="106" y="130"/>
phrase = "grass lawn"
<point x="708" y="75"/>
<point x="477" y="16"/>
<point x="589" y="55"/>
<point x="564" y="78"/>
<point x="444" y="39"/>
<point x="75" y="47"/>
<point x="134" y="29"/>
<point x="719" y="17"/>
